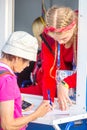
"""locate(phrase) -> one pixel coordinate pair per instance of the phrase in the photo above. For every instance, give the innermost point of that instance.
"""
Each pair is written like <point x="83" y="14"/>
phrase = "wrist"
<point x="65" y="84"/>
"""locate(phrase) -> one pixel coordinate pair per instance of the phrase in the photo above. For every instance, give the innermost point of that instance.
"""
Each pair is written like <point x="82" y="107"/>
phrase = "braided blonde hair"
<point x="59" y="17"/>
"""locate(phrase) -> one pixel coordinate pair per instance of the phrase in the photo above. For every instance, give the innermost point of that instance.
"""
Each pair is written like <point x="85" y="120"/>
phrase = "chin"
<point x="17" y="71"/>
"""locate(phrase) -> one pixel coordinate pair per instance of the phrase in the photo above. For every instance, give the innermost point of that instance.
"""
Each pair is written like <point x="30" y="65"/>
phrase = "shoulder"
<point x="48" y="38"/>
<point x="6" y="75"/>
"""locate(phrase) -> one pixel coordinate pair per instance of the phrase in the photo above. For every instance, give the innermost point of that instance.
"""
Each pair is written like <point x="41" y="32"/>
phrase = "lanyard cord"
<point x="58" y="59"/>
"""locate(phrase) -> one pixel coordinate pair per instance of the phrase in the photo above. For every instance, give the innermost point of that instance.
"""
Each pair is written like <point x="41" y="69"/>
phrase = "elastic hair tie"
<point x="59" y="30"/>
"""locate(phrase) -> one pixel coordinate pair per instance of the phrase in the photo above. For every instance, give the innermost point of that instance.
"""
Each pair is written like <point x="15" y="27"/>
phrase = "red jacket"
<point x="66" y="59"/>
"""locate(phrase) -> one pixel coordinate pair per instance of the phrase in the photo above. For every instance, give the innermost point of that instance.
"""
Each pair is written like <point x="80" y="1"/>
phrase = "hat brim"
<point x="20" y="53"/>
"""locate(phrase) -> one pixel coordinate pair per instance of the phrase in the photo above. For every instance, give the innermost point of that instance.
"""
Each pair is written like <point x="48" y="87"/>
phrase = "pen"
<point x="49" y="98"/>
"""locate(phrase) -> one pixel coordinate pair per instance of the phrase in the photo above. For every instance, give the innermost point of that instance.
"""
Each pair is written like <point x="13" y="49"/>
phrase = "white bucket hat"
<point x="22" y="44"/>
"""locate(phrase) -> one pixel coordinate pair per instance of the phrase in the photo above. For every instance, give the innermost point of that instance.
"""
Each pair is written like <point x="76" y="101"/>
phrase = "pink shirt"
<point x="9" y="90"/>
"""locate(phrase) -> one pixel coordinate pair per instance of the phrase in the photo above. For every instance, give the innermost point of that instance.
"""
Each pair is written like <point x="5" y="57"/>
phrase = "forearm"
<point x="8" y="122"/>
<point x="16" y="124"/>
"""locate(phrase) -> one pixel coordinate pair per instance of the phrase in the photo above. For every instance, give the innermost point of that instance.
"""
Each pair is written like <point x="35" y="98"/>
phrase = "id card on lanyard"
<point x="61" y="74"/>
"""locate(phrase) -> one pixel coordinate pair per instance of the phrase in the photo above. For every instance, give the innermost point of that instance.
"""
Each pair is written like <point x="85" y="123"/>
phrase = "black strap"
<point x="47" y="44"/>
<point x="4" y="72"/>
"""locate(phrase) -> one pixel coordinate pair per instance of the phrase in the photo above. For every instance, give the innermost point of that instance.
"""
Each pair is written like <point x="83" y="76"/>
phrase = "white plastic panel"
<point x="82" y="57"/>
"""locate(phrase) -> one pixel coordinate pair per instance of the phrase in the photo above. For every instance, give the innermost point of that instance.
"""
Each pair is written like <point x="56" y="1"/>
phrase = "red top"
<point x="66" y="60"/>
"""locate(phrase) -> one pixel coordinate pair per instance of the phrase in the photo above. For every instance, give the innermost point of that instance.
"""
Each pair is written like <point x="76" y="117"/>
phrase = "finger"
<point x="63" y="105"/>
<point x="69" y="100"/>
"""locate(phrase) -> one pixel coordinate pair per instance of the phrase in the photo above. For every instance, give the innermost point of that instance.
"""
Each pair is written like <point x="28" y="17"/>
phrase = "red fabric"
<point x="66" y="58"/>
<point x="36" y="90"/>
<point x="47" y="61"/>
<point x="71" y="80"/>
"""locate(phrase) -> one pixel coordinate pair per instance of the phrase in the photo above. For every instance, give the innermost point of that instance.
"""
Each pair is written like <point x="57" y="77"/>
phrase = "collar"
<point x="6" y="66"/>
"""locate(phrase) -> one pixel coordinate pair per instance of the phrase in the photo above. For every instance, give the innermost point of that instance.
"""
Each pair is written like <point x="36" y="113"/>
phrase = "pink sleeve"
<point x="8" y="88"/>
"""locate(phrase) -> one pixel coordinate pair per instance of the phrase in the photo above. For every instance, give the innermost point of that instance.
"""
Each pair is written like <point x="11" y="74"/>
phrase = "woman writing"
<point x="20" y="48"/>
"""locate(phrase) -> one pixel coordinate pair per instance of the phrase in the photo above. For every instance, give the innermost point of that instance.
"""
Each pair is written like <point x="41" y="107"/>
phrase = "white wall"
<point x="2" y="22"/>
<point x="5" y="21"/>
<point x="82" y="57"/>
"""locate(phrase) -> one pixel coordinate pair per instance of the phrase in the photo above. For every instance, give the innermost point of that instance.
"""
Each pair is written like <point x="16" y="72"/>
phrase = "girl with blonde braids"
<point x="61" y="25"/>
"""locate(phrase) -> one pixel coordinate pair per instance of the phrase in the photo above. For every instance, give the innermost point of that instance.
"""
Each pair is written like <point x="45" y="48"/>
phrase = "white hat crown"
<point x="22" y="44"/>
